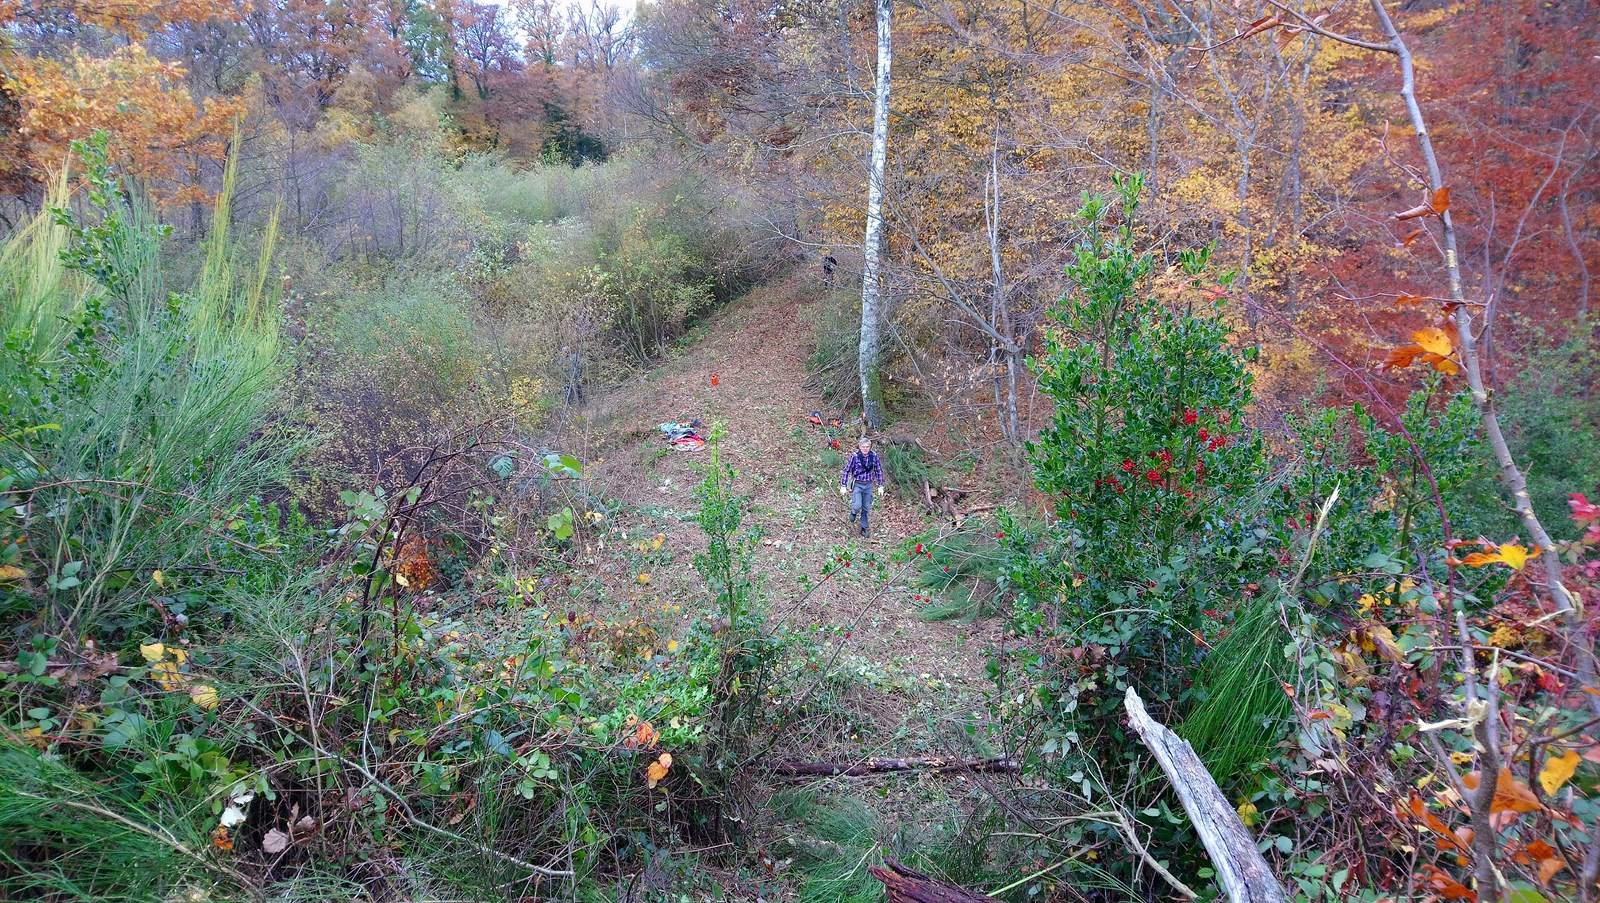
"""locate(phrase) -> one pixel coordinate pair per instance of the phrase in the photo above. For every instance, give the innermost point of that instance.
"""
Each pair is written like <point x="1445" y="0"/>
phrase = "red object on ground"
<point x="715" y="379"/>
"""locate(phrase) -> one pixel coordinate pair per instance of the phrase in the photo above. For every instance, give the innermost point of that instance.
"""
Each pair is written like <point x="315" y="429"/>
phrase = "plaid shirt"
<point x="864" y="470"/>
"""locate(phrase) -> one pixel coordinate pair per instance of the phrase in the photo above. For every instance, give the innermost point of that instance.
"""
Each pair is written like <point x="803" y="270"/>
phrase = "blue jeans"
<point x="861" y="502"/>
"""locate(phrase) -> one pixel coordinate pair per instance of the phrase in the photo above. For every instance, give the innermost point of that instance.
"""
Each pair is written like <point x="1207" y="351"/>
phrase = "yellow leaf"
<point x="205" y="697"/>
<point x="1558" y="771"/>
<point x="672" y="645"/>
<point x="1433" y="340"/>
<point x="11" y="574"/>
<point x="153" y="652"/>
<point x="159" y="578"/>
<point x="1247" y="813"/>
<point x="1516" y="555"/>
<point x="643" y="578"/>
<point x="166" y="674"/>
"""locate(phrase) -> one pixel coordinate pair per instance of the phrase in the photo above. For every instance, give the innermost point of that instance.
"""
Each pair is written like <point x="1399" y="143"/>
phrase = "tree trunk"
<point x="907" y="886"/>
<point x="1239" y="866"/>
<point x="872" y="246"/>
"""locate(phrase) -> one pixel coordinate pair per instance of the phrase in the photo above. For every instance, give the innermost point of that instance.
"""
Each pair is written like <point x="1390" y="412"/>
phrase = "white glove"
<point x="844" y="492"/>
<point x="880" y="490"/>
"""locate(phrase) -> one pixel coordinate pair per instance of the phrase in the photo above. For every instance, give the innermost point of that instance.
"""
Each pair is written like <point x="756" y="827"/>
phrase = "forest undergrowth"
<point x="375" y="583"/>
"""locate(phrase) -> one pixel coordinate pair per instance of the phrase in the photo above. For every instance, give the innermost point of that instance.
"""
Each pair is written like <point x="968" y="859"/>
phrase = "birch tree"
<point x="872" y="246"/>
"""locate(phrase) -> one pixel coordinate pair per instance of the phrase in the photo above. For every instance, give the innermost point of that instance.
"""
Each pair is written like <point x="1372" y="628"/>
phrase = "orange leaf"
<point x="1548" y="867"/>
<point x="1405" y="300"/>
<point x="658" y="769"/>
<point x="1406" y="242"/>
<point x="1401" y="357"/>
<point x="1441" y="201"/>
<point x="1557" y="771"/>
<point x="1433" y="340"/>
<point x="1479" y="559"/>
<point x="645" y="735"/>
<point x="1440" y="882"/>
<point x="1510" y="794"/>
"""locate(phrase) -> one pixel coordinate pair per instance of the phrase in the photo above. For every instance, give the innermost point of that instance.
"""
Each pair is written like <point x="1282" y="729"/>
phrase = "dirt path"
<point x="907" y="674"/>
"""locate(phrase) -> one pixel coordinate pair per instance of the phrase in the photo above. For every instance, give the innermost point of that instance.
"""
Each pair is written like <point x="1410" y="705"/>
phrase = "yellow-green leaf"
<point x="1516" y="555"/>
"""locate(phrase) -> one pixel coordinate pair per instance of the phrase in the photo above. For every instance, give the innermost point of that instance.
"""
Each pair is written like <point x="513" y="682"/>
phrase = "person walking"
<point x="861" y="472"/>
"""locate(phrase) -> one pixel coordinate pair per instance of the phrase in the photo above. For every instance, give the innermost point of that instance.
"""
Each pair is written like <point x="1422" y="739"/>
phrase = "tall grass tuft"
<point x="1240" y="719"/>
<point x="132" y="410"/>
<point x="66" y="837"/>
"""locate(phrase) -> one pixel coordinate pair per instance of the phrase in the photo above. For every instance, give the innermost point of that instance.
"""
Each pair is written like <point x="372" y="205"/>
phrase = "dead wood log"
<point x="909" y="886"/>
<point x="941" y="501"/>
<point x="1240" y="867"/>
<point x="884" y="766"/>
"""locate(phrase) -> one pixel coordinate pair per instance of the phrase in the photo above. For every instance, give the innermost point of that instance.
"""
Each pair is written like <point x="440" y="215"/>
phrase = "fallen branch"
<point x="886" y="766"/>
<point x="1239" y="866"/>
<point x="908" y="886"/>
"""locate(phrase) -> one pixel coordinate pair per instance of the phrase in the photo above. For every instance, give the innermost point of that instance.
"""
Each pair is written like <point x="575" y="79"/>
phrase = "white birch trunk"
<point x="872" y="313"/>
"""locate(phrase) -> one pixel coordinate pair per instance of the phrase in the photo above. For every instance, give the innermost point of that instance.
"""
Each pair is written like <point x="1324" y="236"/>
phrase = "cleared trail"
<point x="908" y="678"/>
